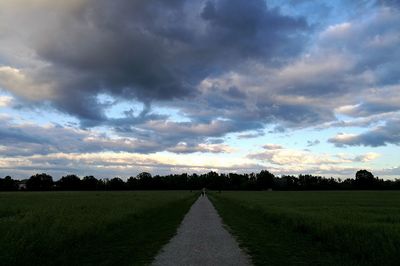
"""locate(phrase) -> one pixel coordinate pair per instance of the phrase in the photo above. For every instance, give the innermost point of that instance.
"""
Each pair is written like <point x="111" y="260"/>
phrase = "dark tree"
<point x="211" y="180"/>
<point x="194" y="182"/>
<point x="40" y="182"/>
<point x="365" y="180"/>
<point x="288" y="183"/>
<point x="265" y="180"/>
<point x="89" y="183"/>
<point x="132" y="183"/>
<point x="8" y="184"/>
<point x="238" y="181"/>
<point x="145" y="180"/>
<point x="116" y="184"/>
<point x="70" y="182"/>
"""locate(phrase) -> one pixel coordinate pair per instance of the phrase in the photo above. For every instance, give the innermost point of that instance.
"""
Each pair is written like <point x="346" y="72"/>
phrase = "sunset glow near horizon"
<point x="115" y="88"/>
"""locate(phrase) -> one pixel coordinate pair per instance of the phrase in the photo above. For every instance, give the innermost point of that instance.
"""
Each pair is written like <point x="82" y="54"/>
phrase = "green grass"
<point x="88" y="228"/>
<point x="315" y="228"/>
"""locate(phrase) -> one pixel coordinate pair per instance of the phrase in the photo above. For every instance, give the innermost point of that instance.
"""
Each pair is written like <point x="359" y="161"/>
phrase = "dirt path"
<point x="202" y="240"/>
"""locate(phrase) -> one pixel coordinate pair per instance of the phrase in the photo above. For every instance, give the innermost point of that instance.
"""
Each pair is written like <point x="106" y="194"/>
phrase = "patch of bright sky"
<point x="39" y="116"/>
<point x="117" y="108"/>
<point x="298" y="140"/>
<point x="207" y="162"/>
<point x="325" y="12"/>
<point x="174" y="114"/>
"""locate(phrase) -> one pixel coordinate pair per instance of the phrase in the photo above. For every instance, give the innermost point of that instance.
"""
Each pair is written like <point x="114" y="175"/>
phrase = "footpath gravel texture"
<point x="202" y="240"/>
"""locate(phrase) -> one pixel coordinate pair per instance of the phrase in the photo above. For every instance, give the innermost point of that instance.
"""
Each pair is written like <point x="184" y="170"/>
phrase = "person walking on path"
<point x="203" y="192"/>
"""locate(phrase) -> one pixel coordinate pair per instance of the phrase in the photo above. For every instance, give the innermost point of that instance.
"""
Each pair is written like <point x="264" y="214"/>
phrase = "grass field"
<point x="315" y="228"/>
<point x="88" y="228"/>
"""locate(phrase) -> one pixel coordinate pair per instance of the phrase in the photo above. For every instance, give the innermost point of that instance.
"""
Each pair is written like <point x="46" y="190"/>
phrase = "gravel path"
<point x="202" y="240"/>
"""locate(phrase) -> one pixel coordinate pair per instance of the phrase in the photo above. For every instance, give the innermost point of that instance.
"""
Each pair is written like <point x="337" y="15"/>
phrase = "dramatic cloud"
<point x="347" y="65"/>
<point x="376" y="101"/>
<point x="30" y="139"/>
<point x="207" y="77"/>
<point x="151" y="50"/>
<point x="379" y="136"/>
<point x="259" y="67"/>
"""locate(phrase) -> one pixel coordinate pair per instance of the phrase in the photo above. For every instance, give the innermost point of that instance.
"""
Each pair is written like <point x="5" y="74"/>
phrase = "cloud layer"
<point x="379" y="136"/>
<point x="152" y="50"/>
<point x="200" y="77"/>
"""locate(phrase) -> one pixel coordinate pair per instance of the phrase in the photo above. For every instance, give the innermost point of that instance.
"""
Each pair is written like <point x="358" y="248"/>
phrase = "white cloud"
<point x="5" y="101"/>
<point x="301" y="158"/>
<point x="370" y="156"/>
<point x="337" y="31"/>
<point x="17" y="82"/>
<point x="126" y="163"/>
<point x="344" y="137"/>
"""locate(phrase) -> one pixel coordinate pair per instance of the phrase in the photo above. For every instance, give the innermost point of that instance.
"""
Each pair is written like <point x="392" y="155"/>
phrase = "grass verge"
<point x="314" y="228"/>
<point x="88" y="228"/>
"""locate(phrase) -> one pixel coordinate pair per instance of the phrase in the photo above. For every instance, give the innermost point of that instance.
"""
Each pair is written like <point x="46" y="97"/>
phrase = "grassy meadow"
<point x="314" y="228"/>
<point x="88" y="228"/>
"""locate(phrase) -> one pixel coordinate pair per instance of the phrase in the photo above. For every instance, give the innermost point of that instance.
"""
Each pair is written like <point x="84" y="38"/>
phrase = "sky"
<point x="115" y="88"/>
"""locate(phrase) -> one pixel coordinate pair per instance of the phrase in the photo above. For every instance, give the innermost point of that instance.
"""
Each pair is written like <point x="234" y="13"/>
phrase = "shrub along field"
<point x="315" y="228"/>
<point x="88" y="228"/>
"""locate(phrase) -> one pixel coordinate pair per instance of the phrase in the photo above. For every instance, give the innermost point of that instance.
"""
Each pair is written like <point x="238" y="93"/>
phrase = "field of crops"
<point x="88" y="228"/>
<point x="315" y="228"/>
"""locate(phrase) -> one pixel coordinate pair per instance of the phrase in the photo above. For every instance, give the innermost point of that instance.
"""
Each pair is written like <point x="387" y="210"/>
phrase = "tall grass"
<point x="87" y="228"/>
<point x="348" y="227"/>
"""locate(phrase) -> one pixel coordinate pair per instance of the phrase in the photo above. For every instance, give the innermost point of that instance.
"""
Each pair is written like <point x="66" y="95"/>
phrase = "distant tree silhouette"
<point x="211" y="180"/>
<point x="89" y="183"/>
<point x="287" y="182"/>
<point x="132" y="183"/>
<point x="365" y="180"/>
<point x="40" y="182"/>
<point x="237" y="181"/>
<point x="265" y="180"/>
<point x="116" y="183"/>
<point x="70" y="182"/>
<point x="145" y="180"/>
<point x="8" y="184"/>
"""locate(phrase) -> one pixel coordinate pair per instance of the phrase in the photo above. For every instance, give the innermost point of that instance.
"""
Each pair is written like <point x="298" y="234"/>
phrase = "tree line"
<point x="263" y="180"/>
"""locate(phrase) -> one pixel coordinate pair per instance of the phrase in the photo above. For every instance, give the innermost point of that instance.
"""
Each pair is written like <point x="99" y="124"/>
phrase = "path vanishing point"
<point x="201" y="239"/>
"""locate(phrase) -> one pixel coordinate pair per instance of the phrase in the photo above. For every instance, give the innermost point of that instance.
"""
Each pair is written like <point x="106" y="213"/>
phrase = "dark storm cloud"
<point x="170" y="134"/>
<point x="391" y="3"/>
<point x="292" y="115"/>
<point x="166" y="52"/>
<point x="16" y="135"/>
<point x="150" y="50"/>
<point x="350" y="57"/>
<point x="379" y="136"/>
<point x="372" y="108"/>
<point x="256" y="32"/>
<point x="29" y="139"/>
<point x="351" y="63"/>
